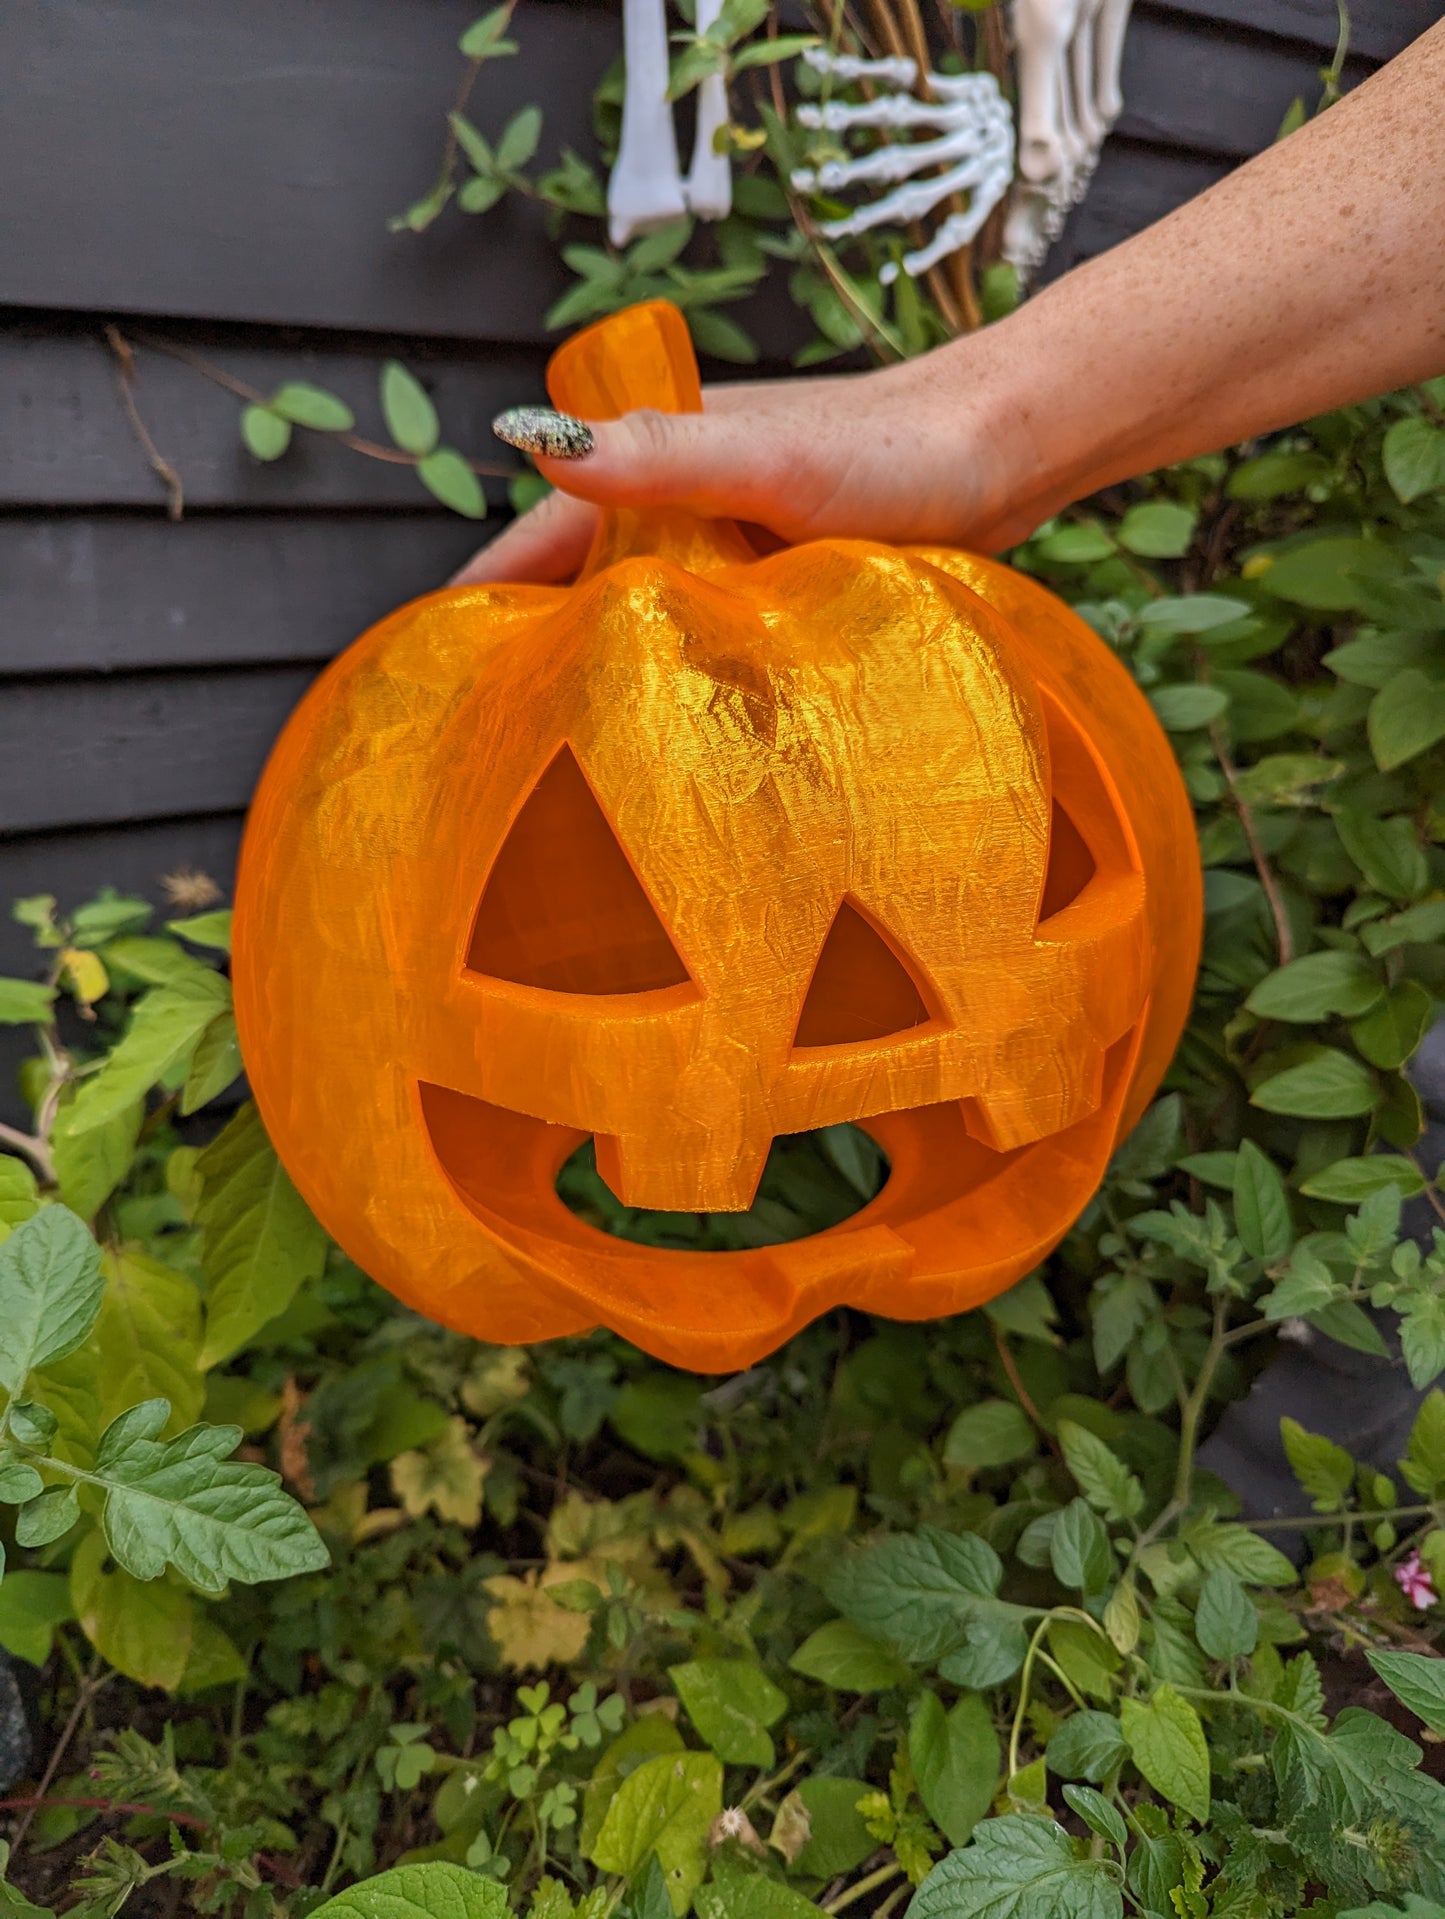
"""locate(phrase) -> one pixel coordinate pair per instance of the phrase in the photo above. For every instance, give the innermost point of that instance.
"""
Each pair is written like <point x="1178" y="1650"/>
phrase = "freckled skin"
<point x="1309" y="278"/>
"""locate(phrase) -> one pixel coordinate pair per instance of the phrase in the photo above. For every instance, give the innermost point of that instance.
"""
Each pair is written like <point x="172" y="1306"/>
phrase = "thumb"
<point x="723" y="463"/>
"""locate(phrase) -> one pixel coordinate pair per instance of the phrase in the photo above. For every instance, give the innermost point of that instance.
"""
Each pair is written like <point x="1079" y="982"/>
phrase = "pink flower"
<point x="1415" y="1582"/>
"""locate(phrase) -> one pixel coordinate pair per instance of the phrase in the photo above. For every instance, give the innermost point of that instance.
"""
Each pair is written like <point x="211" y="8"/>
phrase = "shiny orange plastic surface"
<point x="701" y="849"/>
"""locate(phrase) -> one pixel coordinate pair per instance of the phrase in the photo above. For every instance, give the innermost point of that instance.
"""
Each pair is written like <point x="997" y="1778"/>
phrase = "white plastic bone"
<point x="1068" y="61"/>
<point x="646" y="188"/>
<point x="976" y="136"/>
<point x="709" y="186"/>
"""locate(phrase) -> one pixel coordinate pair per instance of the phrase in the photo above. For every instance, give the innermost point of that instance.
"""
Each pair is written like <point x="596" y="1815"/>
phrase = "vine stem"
<point x="33" y="1148"/>
<point x="868" y="1884"/>
<point x="1283" y="931"/>
<point x="1191" y="1411"/>
<point x="90" y="1684"/>
<point x="37" y="1802"/>
<point x="243" y="390"/>
<point x="1338" y="1519"/>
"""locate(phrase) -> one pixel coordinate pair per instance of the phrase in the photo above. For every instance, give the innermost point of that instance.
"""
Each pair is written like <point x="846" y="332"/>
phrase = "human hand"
<point x="908" y="454"/>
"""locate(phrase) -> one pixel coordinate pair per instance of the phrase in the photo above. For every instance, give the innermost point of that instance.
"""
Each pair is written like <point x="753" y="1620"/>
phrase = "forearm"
<point x="1313" y="276"/>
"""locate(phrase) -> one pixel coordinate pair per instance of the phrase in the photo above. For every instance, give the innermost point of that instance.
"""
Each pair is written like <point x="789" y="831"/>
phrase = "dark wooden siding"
<point x="221" y="177"/>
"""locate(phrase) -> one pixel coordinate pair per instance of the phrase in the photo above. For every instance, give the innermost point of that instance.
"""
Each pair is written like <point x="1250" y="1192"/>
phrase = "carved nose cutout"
<point x="1071" y="864"/>
<point x="562" y="907"/>
<point x="861" y="988"/>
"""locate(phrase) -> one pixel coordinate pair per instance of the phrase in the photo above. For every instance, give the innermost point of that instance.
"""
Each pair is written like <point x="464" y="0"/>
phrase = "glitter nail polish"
<point x="538" y="429"/>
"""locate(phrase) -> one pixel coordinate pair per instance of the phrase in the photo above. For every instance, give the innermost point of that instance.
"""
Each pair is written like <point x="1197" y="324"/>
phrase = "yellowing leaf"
<point x="445" y="1479"/>
<point x="148" y="1338"/>
<point x="530" y="1629"/>
<point x="143" y="1627"/>
<point x="84" y="974"/>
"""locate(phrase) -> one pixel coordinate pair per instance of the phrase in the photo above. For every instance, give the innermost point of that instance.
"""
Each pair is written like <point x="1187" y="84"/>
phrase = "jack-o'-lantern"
<point x="706" y="848"/>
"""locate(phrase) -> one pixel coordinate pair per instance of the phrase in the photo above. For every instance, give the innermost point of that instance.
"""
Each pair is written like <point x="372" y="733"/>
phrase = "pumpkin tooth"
<point x="1067" y="1086"/>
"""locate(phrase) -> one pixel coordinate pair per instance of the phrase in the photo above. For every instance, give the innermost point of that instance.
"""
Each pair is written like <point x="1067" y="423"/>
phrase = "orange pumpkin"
<point x="705" y="848"/>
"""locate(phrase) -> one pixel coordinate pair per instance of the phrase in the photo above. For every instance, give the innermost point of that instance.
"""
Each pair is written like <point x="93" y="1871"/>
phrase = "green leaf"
<point x="750" y="1896"/>
<point x="646" y="1738"/>
<point x="1158" y="529"/>
<point x="1098" y="1814"/>
<point x="1261" y="1209"/>
<point x="841" y="1655"/>
<point x="1075" y="545"/>
<point x="215" y="1064"/>
<point x="1311" y="989"/>
<point x="483" y="38"/>
<point x="90" y="1165"/>
<point x="1327" y="1085"/>
<point x="766" y="53"/>
<point x="1413" y="453"/>
<point x="149" y="1337"/>
<point x="260" y="1241"/>
<point x="446" y="474"/>
<point x="1349" y="1181"/>
<point x="164" y="1028"/>
<point x="477" y="149"/>
<point x="181" y="1502"/>
<point x="1321" y="573"/>
<point x="1424" y="1461"/>
<point x="50" y="1292"/>
<point x="1387" y="852"/>
<point x="144" y="1629"/>
<point x="1018" y="1867"/>
<point x="25" y="1002"/>
<point x="1028" y="1309"/>
<point x="1102" y="1476"/>
<point x="410" y="417"/>
<point x="722" y="337"/>
<point x="666" y="1807"/>
<point x="1190" y="613"/>
<point x="1225" y="1621"/>
<point x="47" y="1517"/>
<point x="1243" y="1552"/>
<point x="1167" y="1743"/>
<point x="1406" y="717"/>
<point x="32" y="1605"/>
<point x="992" y="1433"/>
<point x="205" y="929"/>
<point x="519" y="139"/>
<point x="435" y="1889"/>
<point x="930" y="1594"/>
<point x="1089" y="1745"/>
<point x="312" y="406"/>
<point x="955" y="1756"/>
<point x="1416" y="1681"/>
<point x="1324" y="1469"/>
<point x="1272" y="475"/>
<point x="1079" y="1549"/>
<point x="1348" y="1323"/>
<point x="266" y="434"/>
<point x="838" y="1837"/>
<point x="19" y="1195"/>
<point x="1183" y="709"/>
<point x="731" y="1702"/>
<point x="1390" y="1032"/>
<point x="1422" y="1337"/>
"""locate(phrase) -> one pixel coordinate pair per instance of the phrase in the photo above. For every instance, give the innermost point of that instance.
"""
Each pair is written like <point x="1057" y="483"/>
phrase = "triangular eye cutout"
<point x="860" y="988"/>
<point x="1071" y="864"/>
<point x="562" y="907"/>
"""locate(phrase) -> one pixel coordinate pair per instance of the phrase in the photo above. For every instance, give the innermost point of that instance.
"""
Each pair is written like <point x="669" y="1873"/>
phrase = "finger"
<point x="546" y="544"/>
<point x="729" y="463"/>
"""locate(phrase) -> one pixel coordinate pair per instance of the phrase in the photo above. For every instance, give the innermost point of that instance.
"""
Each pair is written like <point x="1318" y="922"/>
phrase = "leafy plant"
<point x="946" y="1621"/>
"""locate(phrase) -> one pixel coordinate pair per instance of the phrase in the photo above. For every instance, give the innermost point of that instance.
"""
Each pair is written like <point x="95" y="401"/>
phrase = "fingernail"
<point x="538" y="429"/>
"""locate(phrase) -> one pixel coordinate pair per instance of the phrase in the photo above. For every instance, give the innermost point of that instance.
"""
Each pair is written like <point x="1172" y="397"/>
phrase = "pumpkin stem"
<point x="641" y="358"/>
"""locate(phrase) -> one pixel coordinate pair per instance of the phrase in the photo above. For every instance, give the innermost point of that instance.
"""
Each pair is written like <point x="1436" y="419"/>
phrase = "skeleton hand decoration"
<point x="1068" y="60"/>
<point x="976" y="151"/>
<point x="647" y="189"/>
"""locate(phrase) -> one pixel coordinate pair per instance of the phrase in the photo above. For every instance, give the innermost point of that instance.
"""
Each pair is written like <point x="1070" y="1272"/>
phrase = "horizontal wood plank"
<point x="241" y="162"/>
<point x="66" y="439"/>
<point x="141" y="747"/>
<point x="1135" y="185"/>
<point x="1379" y="29"/>
<point x="95" y="594"/>
<point x="1206" y="88"/>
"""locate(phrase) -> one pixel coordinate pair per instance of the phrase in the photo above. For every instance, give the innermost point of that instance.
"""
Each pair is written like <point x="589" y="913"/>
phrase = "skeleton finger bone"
<point x="646" y="188"/>
<point x="709" y="185"/>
